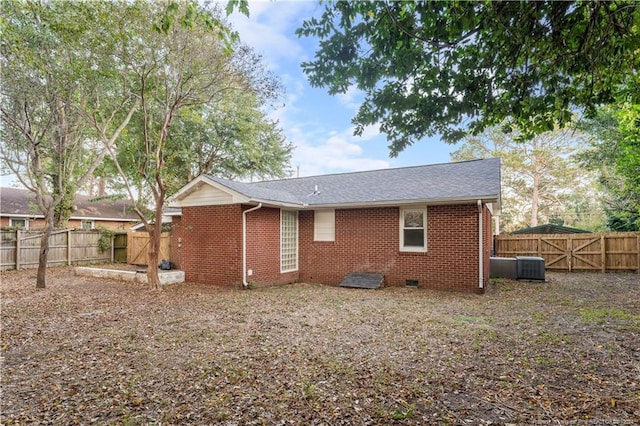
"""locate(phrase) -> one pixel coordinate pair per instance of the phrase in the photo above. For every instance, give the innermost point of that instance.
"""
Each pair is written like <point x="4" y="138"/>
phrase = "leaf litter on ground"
<point x="88" y="350"/>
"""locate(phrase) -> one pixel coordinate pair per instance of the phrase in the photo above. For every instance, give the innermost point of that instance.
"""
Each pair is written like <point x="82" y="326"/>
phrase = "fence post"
<point x="638" y="248"/>
<point x="570" y="252"/>
<point x="539" y="246"/>
<point x="603" y="253"/>
<point x="69" y="247"/>
<point x="18" y="249"/>
<point x="113" y="247"/>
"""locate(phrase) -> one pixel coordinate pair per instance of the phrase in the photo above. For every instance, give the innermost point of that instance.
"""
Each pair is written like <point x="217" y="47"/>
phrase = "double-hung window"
<point x="413" y="229"/>
<point x="19" y="223"/>
<point x="87" y="224"/>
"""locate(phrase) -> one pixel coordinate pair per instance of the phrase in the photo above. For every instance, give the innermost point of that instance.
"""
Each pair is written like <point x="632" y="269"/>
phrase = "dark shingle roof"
<point x="550" y="228"/>
<point x="439" y="182"/>
<point x="14" y="201"/>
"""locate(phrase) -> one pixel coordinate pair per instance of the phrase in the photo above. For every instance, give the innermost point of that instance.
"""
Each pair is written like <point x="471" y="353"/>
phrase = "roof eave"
<point x="367" y="204"/>
<point x="194" y="185"/>
<point x="393" y="203"/>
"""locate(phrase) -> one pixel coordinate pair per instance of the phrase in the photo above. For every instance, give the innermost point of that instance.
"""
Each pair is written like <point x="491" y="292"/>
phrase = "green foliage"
<point x="201" y="104"/>
<point x="106" y="238"/>
<point x="447" y="67"/>
<point x="231" y="138"/>
<point x="614" y="153"/>
<point x="541" y="179"/>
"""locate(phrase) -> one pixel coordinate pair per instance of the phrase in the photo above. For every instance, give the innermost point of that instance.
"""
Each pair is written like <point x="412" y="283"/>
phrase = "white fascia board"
<point x="39" y="216"/>
<point x="22" y="215"/>
<point x="108" y="219"/>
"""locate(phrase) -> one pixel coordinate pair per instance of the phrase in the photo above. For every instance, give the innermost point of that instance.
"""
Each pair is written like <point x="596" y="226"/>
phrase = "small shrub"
<point x="106" y="238"/>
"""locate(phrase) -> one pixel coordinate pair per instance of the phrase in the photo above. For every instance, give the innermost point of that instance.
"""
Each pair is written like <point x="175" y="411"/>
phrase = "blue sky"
<point x="319" y="125"/>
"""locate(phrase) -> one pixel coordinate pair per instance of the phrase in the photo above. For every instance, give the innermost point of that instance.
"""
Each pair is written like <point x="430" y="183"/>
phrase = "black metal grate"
<point x="362" y="280"/>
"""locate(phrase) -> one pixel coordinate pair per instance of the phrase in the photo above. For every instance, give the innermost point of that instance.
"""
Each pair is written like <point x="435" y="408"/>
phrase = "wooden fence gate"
<point x="576" y="252"/>
<point x="138" y="246"/>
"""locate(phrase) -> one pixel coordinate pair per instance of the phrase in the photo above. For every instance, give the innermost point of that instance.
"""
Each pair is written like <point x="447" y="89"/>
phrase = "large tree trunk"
<point x="154" y="259"/>
<point x="155" y="235"/>
<point x="44" y="253"/>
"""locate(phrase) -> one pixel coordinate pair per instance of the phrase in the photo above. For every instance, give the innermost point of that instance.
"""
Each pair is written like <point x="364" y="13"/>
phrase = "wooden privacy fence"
<point x="138" y="247"/>
<point x="20" y="249"/>
<point x="612" y="251"/>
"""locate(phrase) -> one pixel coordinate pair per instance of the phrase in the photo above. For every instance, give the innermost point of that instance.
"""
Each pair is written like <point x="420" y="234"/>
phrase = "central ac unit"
<point x="530" y="268"/>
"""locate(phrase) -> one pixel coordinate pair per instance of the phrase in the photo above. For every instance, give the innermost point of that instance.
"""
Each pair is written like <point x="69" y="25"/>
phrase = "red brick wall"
<point x="367" y="240"/>
<point x="212" y="244"/>
<point x="263" y="248"/>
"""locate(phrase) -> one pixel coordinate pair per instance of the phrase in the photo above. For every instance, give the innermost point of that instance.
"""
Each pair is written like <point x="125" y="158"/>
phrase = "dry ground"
<point x="97" y="351"/>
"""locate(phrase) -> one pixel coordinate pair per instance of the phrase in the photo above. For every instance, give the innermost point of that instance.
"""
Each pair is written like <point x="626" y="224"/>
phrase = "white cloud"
<point x="352" y="98"/>
<point x="269" y="29"/>
<point x="330" y="153"/>
<point x="319" y="148"/>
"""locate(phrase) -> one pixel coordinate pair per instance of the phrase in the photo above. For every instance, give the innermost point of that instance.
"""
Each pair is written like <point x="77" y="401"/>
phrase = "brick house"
<point x="18" y="209"/>
<point x="427" y="225"/>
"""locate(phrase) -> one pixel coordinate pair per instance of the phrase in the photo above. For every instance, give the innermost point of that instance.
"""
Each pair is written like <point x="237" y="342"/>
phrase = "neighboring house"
<point x="550" y="228"/>
<point x="167" y="214"/>
<point x="18" y="209"/>
<point x="427" y="225"/>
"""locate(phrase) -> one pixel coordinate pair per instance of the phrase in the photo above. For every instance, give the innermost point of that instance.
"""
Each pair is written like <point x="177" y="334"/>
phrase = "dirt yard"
<point x="96" y="351"/>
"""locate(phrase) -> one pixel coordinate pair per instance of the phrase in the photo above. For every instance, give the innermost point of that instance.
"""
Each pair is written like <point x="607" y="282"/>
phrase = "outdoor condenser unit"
<point x="529" y="268"/>
<point x="503" y="267"/>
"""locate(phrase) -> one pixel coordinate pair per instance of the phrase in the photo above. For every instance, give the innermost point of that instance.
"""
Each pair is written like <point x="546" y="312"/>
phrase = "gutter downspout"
<point x="480" y="259"/>
<point x="245" y="284"/>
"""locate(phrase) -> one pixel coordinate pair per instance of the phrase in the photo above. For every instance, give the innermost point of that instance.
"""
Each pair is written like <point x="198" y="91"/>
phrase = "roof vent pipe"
<point x="245" y="284"/>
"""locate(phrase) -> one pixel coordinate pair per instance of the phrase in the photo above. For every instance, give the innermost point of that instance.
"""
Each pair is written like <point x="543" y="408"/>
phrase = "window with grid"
<point x="19" y="223"/>
<point x="288" y="241"/>
<point x="413" y="229"/>
<point x="87" y="224"/>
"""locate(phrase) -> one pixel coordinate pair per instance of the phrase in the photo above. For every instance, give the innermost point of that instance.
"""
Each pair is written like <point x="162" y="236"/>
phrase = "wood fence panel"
<point x="20" y="249"/>
<point x="8" y="245"/>
<point x="138" y="246"/>
<point x="29" y="249"/>
<point x="120" y="247"/>
<point x="85" y="248"/>
<point x="554" y="251"/>
<point x="576" y="252"/>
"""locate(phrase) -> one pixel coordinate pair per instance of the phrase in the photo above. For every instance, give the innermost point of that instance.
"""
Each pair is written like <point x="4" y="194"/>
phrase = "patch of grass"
<point x="309" y="390"/>
<point x="539" y="317"/>
<point x="602" y="315"/>
<point x="549" y="338"/>
<point x="465" y="318"/>
<point x="495" y="281"/>
<point x="403" y="413"/>
<point x="506" y="286"/>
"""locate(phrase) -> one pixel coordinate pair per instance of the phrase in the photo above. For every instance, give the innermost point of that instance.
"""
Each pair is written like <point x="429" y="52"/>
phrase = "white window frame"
<point x="22" y="219"/>
<point x="292" y="230"/>
<point x="92" y="224"/>
<point x="414" y="249"/>
<point x="324" y="225"/>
